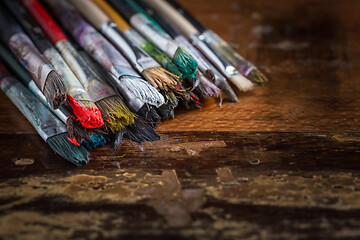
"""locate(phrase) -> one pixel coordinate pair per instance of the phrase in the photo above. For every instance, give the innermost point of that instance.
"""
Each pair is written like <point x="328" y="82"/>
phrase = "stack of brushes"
<point x="90" y="72"/>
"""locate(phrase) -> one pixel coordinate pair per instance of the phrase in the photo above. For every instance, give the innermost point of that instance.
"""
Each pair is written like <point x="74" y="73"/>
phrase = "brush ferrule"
<point x="233" y="57"/>
<point x="137" y="57"/>
<point x="154" y="35"/>
<point x="44" y="122"/>
<point x="30" y="58"/>
<point x="75" y="89"/>
<point x="96" y="88"/>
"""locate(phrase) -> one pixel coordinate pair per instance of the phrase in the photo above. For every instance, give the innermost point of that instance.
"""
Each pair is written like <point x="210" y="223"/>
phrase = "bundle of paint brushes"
<point x="87" y="72"/>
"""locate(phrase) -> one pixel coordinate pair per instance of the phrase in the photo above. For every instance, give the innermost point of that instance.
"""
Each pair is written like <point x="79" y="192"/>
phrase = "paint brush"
<point x="187" y="29"/>
<point x="151" y="70"/>
<point x="104" y="52"/>
<point x="186" y="63"/>
<point x="88" y="137"/>
<point x="114" y="111"/>
<point x="206" y="68"/>
<point x="189" y="100"/>
<point x="44" y="75"/>
<point x="245" y="67"/>
<point x="50" y="128"/>
<point x="141" y="130"/>
<point x="84" y="108"/>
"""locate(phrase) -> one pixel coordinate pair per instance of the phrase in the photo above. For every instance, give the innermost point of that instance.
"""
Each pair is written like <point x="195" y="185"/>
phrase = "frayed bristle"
<point x="207" y="89"/>
<point x="86" y="112"/>
<point x="77" y="155"/>
<point x="117" y="137"/>
<point x="161" y="79"/>
<point x="143" y="90"/>
<point x="242" y="83"/>
<point x="186" y="63"/>
<point x="96" y="140"/>
<point x="257" y="77"/>
<point x="189" y="100"/>
<point x="166" y="111"/>
<point x="141" y="132"/>
<point x="76" y="132"/>
<point x="149" y="115"/>
<point x="115" y="113"/>
<point x="54" y="90"/>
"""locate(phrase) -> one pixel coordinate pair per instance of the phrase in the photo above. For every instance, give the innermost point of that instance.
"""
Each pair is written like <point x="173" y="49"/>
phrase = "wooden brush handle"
<point x="45" y="21"/>
<point x="113" y="15"/>
<point x="91" y="12"/>
<point x="168" y="12"/>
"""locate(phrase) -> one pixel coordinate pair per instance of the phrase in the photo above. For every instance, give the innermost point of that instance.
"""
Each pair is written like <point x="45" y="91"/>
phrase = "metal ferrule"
<point x="45" y="123"/>
<point x="154" y="35"/>
<point x="30" y="58"/>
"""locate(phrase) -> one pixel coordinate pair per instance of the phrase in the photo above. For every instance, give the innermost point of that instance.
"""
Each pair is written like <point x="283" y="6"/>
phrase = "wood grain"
<point x="283" y="163"/>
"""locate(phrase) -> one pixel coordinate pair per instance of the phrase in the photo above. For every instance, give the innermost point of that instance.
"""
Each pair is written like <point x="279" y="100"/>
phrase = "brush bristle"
<point x="149" y="115"/>
<point x="115" y="113"/>
<point x="141" y="132"/>
<point x="143" y="90"/>
<point x="86" y="112"/>
<point x="161" y="79"/>
<point x="117" y="137"/>
<point x="76" y="132"/>
<point x="207" y="89"/>
<point x="96" y="140"/>
<point x="189" y="100"/>
<point x="257" y="77"/>
<point x="166" y="111"/>
<point x="54" y="90"/>
<point x="227" y="89"/>
<point x="242" y="83"/>
<point x="186" y="63"/>
<point x="77" y="155"/>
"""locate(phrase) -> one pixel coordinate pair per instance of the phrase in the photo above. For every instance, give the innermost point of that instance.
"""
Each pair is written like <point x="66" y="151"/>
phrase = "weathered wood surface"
<point x="283" y="163"/>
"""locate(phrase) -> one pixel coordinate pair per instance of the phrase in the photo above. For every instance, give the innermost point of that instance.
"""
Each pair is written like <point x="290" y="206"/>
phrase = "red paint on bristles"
<point x="88" y="117"/>
<point x="46" y="22"/>
<point x="73" y="141"/>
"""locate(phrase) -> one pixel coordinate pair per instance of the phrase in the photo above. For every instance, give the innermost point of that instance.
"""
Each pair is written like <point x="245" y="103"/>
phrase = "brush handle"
<point x="153" y="16"/>
<point x="45" y="123"/>
<point x="113" y="15"/>
<point x="198" y="25"/>
<point x="30" y="27"/>
<point x="91" y="12"/>
<point x="8" y="25"/>
<point x="45" y="21"/>
<point x="9" y="60"/>
<point x="124" y="8"/>
<point x="173" y="16"/>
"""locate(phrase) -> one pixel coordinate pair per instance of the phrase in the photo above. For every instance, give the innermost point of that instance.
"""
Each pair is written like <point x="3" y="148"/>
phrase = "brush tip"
<point x="257" y="77"/>
<point x="54" y="90"/>
<point x="186" y="63"/>
<point x="227" y="89"/>
<point x="77" y="155"/>
<point x="86" y="112"/>
<point x="242" y="83"/>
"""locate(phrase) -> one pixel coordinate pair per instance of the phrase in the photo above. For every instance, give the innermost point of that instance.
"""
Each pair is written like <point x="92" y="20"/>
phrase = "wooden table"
<point x="283" y="163"/>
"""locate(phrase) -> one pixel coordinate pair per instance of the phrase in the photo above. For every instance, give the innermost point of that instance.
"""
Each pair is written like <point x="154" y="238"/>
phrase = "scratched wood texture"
<point x="283" y="163"/>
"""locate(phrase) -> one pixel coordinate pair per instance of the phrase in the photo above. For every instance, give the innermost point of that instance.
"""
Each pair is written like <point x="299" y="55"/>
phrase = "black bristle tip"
<point x="149" y="115"/>
<point x="141" y="132"/>
<point x="54" y="90"/>
<point x="77" y="155"/>
<point x="116" y="138"/>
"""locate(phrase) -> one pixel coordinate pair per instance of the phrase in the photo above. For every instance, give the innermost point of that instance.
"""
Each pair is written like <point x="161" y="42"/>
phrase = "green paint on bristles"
<point x="162" y="58"/>
<point x="186" y="63"/>
<point x="257" y="77"/>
